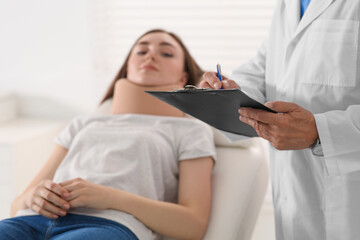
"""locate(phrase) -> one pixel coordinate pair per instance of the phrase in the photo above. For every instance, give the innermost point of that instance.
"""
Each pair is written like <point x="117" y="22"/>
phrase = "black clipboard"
<point x="218" y="108"/>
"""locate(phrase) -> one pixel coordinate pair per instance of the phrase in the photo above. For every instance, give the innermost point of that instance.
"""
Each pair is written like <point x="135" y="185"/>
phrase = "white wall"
<point x="44" y="53"/>
<point x="60" y="56"/>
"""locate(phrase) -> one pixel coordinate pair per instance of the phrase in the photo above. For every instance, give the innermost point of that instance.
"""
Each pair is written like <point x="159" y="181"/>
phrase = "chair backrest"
<point x="240" y="180"/>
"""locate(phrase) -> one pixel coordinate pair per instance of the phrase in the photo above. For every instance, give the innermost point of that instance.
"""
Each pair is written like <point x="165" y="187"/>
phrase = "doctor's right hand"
<point x="210" y="80"/>
<point x="47" y="199"/>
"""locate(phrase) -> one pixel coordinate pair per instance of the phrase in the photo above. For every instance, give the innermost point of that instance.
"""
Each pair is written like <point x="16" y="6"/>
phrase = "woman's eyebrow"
<point x="143" y="43"/>
<point x="166" y="44"/>
<point x="161" y="44"/>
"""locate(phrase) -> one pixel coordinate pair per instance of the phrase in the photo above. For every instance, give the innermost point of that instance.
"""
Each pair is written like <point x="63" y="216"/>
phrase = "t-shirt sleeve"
<point x="66" y="136"/>
<point x="196" y="141"/>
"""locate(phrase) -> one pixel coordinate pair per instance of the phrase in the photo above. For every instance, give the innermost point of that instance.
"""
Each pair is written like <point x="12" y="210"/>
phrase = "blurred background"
<point x="57" y="59"/>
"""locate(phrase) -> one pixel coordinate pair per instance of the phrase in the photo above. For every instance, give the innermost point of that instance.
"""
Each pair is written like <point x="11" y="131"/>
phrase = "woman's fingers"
<point x="56" y="188"/>
<point x="47" y="209"/>
<point x="54" y="193"/>
<point x="77" y="198"/>
<point x="36" y="208"/>
<point x="67" y="183"/>
<point x="53" y="198"/>
<point x="48" y="199"/>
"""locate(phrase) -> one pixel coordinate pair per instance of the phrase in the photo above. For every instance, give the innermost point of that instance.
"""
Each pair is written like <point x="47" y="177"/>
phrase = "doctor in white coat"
<point x="308" y="70"/>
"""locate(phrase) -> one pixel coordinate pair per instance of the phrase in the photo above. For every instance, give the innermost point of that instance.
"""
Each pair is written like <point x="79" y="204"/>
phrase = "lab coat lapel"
<point x="292" y="14"/>
<point x="315" y="8"/>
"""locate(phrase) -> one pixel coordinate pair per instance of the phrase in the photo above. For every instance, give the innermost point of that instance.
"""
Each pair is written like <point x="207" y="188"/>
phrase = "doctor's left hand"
<point x="292" y="128"/>
<point x="86" y="194"/>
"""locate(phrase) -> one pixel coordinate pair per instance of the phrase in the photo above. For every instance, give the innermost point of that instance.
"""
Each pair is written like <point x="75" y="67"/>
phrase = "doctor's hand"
<point x="86" y="194"/>
<point x="292" y="128"/>
<point x="210" y="80"/>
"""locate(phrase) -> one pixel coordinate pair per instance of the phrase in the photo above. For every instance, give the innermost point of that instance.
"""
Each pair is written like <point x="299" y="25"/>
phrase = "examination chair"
<point x="240" y="180"/>
<point x="240" y="175"/>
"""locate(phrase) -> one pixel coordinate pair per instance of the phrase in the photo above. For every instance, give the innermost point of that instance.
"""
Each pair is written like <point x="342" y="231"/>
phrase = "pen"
<point x="218" y="68"/>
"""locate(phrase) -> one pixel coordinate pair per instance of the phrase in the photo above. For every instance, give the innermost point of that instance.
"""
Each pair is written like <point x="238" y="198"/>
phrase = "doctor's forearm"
<point x="165" y="218"/>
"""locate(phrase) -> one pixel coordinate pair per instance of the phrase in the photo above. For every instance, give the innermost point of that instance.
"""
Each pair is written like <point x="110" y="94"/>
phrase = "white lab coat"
<point x="315" y="63"/>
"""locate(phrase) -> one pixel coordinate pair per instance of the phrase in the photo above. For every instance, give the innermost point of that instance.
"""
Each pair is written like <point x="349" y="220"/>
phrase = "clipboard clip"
<point x="189" y="88"/>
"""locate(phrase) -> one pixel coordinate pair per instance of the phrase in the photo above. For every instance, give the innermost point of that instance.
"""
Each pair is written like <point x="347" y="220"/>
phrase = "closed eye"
<point x="141" y="52"/>
<point x="167" y="55"/>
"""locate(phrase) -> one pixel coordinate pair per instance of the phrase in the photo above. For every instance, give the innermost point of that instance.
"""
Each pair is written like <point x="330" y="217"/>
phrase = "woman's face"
<point x="157" y="60"/>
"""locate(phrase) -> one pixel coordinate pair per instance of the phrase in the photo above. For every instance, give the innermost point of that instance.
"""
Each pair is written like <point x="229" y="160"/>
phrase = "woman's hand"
<point x="210" y="80"/>
<point x="47" y="199"/>
<point x="86" y="194"/>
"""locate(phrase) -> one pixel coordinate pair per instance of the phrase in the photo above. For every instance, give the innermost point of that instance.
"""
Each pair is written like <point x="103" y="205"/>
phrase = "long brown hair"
<point x="191" y="67"/>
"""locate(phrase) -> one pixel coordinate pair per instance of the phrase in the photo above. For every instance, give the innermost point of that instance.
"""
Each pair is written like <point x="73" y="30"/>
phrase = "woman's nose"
<point x="150" y="55"/>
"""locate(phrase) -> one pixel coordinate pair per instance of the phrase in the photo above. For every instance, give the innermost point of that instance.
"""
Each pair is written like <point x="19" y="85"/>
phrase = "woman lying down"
<point x="144" y="170"/>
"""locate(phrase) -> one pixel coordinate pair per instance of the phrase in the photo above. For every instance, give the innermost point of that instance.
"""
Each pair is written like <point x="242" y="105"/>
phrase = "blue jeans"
<point x="71" y="226"/>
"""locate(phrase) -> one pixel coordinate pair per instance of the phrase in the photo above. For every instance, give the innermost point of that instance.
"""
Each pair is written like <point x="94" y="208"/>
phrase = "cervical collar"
<point x="132" y="98"/>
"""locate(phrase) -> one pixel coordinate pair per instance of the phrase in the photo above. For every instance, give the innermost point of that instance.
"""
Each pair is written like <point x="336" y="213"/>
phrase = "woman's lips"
<point x="150" y="67"/>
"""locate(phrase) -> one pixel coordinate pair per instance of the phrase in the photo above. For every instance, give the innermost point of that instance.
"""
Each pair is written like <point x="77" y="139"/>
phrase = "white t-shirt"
<point x="133" y="152"/>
